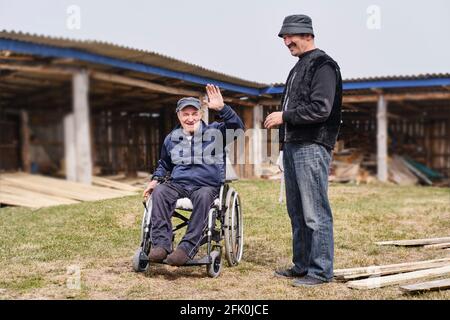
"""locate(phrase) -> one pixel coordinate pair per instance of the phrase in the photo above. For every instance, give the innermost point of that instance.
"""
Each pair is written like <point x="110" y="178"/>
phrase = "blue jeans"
<point x="306" y="167"/>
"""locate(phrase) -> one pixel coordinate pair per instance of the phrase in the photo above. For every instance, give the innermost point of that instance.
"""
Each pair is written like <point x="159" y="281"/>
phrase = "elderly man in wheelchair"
<point x="191" y="176"/>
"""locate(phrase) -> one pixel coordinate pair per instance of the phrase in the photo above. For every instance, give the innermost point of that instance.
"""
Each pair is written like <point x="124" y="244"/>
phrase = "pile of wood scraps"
<point x="352" y="165"/>
<point x="36" y="191"/>
<point x="372" y="277"/>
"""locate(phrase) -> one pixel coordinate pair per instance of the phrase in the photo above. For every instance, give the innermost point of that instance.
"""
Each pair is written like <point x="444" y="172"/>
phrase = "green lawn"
<point x="38" y="247"/>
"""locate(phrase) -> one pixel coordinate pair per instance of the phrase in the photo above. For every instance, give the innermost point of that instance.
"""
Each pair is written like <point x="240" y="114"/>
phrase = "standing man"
<point x="310" y="118"/>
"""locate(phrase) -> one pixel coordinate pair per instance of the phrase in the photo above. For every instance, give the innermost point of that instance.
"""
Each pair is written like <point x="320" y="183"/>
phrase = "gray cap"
<point x="296" y="24"/>
<point x="189" y="101"/>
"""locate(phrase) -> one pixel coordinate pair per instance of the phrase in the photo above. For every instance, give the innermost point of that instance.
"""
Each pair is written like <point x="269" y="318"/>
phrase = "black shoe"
<point x="177" y="258"/>
<point x="289" y="273"/>
<point x="157" y="254"/>
<point x="307" y="281"/>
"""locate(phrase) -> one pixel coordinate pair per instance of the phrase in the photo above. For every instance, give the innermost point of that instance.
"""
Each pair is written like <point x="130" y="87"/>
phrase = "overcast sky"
<point x="239" y="37"/>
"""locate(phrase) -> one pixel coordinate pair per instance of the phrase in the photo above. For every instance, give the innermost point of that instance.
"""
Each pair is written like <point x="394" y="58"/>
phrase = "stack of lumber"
<point x="399" y="274"/>
<point x="35" y="191"/>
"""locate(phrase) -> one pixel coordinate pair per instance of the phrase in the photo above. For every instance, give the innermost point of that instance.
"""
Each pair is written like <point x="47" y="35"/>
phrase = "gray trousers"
<point x="164" y="198"/>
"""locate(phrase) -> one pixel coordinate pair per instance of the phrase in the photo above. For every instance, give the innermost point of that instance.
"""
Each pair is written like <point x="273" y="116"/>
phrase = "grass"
<point x="39" y="247"/>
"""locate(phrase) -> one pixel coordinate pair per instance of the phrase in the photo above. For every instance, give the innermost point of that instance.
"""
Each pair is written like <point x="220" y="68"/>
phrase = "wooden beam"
<point x="82" y="127"/>
<point x="43" y="69"/>
<point x="382" y="140"/>
<point x="397" y="97"/>
<point x="142" y="84"/>
<point x="25" y="135"/>
<point x="435" y="285"/>
<point x="414" y="242"/>
<point x="379" y="282"/>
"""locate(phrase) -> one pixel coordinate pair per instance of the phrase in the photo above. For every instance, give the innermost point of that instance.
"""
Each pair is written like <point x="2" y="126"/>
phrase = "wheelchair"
<point x="224" y="231"/>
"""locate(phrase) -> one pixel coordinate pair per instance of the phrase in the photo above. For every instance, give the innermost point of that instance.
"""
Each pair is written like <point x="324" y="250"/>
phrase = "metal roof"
<point x="121" y="56"/>
<point x="151" y="62"/>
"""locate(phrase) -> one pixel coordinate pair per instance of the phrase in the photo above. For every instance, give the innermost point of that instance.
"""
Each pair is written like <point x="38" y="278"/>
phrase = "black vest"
<point x="324" y="133"/>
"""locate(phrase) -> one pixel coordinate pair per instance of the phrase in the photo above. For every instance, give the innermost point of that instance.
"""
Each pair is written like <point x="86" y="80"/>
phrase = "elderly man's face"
<point x="296" y="43"/>
<point x="189" y="118"/>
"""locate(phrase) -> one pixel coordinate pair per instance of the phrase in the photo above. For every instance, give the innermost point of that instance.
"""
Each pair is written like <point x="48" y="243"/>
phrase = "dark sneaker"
<point x="289" y="273"/>
<point x="307" y="281"/>
<point x="177" y="258"/>
<point x="157" y="254"/>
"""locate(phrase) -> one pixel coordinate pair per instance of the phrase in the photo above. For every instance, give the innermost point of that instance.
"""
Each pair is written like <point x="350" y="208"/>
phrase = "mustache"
<point x="291" y="45"/>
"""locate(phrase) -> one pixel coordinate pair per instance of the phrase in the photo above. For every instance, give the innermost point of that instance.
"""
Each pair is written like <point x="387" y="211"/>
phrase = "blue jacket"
<point x="184" y="158"/>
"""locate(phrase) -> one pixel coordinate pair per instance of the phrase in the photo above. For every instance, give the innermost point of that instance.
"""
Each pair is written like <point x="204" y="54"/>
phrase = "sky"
<point x="239" y="37"/>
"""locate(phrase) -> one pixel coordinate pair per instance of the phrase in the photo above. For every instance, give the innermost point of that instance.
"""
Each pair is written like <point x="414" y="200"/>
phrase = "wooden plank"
<point x="103" y="182"/>
<point x="438" y="245"/>
<point x="435" y="285"/>
<point x="380" y="282"/>
<point x="18" y="200"/>
<point x="352" y="271"/>
<point x="414" y="242"/>
<point x="25" y="136"/>
<point x="41" y="200"/>
<point x="61" y="188"/>
<point x="376" y="271"/>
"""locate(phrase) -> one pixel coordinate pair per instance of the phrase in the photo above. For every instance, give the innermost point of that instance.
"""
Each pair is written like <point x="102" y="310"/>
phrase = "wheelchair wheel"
<point x="140" y="261"/>
<point x="213" y="270"/>
<point x="234" y="228"/>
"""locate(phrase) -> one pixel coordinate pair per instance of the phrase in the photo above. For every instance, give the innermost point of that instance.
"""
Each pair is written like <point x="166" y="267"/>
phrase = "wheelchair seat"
<point x="186" y="204"/>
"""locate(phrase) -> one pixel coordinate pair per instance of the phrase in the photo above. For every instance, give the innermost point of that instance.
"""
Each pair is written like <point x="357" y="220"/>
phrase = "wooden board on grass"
<point x="61" y="188"/>
<point x="379" y="282"/>
<point x="424" y="263"/>
<point x="103" y="182"/>
<point x="435" y="285"/>
<point x="438" y="246"/>
<point x="413" y="242"/>
<point x="380" y="271"/>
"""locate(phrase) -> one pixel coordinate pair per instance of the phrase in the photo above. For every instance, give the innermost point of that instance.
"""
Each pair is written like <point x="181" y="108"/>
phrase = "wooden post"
<point x="70" y="160"/>
<point x="382" y="140"/>
<point x="80" y="97"/>
<point x="257" y="140"/>
<point x="25" y="133"/>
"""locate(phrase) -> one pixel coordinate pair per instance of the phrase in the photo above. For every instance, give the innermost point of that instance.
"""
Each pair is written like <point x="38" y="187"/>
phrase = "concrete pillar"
<point x="80" y="83"/>
<point x="382" y="140"/>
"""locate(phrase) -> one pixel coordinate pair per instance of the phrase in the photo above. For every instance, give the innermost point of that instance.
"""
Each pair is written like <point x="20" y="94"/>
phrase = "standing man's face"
<point x="189" y="118"/>
<point x="298" y="44"/>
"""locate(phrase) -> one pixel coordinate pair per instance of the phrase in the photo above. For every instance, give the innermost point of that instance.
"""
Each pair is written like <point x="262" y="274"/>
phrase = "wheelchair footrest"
<point x="195" y="262"/>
